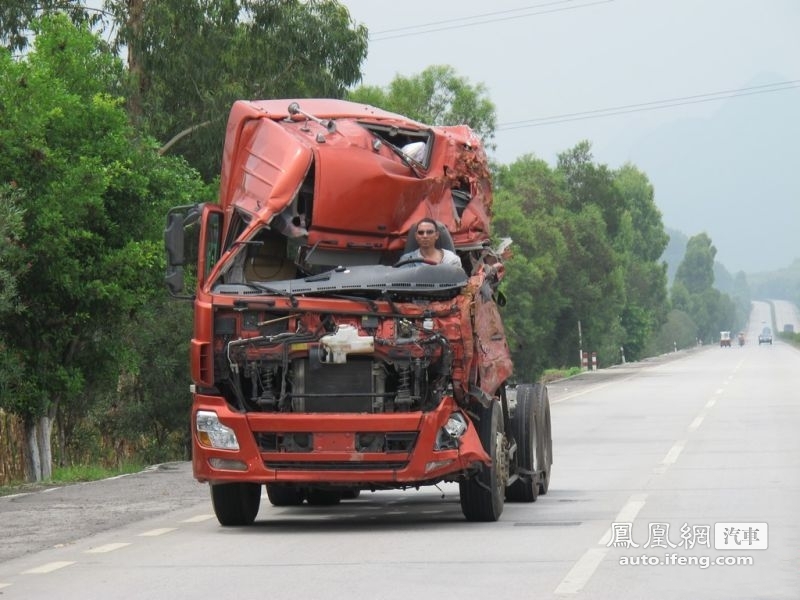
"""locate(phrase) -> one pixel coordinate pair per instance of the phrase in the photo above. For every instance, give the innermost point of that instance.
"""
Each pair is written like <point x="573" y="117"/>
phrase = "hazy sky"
<point x="570" y="59"/>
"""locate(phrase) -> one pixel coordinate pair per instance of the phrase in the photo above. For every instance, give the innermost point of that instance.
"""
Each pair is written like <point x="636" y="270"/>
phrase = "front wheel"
<point x="236" y="504"/>
<point x="483" y="495"/>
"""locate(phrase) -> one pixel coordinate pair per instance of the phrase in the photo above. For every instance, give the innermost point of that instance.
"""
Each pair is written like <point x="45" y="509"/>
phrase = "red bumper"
<point x="334" y="450"/>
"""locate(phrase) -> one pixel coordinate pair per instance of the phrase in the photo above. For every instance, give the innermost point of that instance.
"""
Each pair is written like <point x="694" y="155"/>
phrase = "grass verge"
<point x="68" y="475"/>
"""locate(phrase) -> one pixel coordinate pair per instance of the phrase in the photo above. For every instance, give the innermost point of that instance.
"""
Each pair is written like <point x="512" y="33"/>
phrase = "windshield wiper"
<point x="271" y="290"/>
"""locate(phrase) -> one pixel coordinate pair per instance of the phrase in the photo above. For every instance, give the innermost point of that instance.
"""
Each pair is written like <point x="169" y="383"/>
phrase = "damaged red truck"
<point x="323" y="367"/>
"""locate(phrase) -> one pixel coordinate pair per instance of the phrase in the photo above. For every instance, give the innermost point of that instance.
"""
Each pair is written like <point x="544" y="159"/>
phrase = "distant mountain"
<point x="734" y="176"/>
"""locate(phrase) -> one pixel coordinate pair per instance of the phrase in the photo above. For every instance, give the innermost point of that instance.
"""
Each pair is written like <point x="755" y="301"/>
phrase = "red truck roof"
<point x="345" y="176"/>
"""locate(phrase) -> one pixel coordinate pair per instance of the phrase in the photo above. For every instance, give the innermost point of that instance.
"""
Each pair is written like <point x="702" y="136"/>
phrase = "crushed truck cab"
<point x="321" y="365"/>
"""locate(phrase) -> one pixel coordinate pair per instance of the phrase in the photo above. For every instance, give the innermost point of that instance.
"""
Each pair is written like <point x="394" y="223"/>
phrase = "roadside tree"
<point x="95" y="193"/>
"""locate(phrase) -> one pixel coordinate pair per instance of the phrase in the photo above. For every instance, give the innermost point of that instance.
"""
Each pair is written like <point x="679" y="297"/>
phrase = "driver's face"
<point x="426" y="235"/>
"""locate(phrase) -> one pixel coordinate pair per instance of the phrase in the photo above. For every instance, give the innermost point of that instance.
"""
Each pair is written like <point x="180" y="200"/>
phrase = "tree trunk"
<point x="33" y="463"/>
<point x="45" y="450"/>
<point x="38" y="452"/>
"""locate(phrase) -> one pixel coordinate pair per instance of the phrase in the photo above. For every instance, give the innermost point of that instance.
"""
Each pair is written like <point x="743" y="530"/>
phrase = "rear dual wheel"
<point x="544" y="438"/>
<point x="532" y="432"/>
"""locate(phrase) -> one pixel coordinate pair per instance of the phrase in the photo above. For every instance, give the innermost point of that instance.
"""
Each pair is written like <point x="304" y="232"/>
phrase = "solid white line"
<point x="107" y="548"/>
<point x="4" y="585"/>
<point x="584" y="568"/>
<point x="49" y="567"/>
<point x="155" y="532"/>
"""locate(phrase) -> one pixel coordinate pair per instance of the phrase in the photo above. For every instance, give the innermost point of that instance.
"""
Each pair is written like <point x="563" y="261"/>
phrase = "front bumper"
<point x="384" y="450"/>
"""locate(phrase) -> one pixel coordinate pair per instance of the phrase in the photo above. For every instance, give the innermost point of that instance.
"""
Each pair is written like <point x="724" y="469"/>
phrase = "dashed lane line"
<point x="584" y="568"/>
<point x="49" y="567"/>
<point x="198" y="519"/>
<point x="157" y="532"/>
<point x="107" y="548"/>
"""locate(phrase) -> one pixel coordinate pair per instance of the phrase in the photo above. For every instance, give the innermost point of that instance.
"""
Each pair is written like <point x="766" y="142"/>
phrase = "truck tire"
<point x="284" y="494"/>
<point x="236" y="504"/>
<point x="525" y="430"/>
<point x="483" y="495"/>
<point x="544" y="437"/>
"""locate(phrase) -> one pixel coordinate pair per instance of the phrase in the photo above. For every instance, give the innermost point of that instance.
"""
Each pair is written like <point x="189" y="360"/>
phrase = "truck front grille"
<point x="400" y="442"/>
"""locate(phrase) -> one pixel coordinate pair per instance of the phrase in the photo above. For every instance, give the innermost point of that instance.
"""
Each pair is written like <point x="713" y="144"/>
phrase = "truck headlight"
<point x="212" y="433"/>
<point x="449" y="435"/>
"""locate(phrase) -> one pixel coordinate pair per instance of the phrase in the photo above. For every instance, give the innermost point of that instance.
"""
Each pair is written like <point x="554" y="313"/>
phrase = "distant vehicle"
<point x="765" y="337"/>
<point x="741" y="338"/>
<point x="724" y="339"/>
<point x="788" y="328"/>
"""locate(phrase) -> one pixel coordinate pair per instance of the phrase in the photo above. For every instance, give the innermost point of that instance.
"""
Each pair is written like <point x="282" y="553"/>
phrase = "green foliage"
<point x="678" y="332"/>
<point x="78" y="473"/>
<point x="529" y="209"/>
<point x="147" y="406"/>
<point x="645" y="276"/>
<point x="95" y="193"/>
<point x="783" y="283"/>
<point x="75" y="474"/>
<point x="551" y="375"/>
<point x="790" y="338"/>
<point x="436" y="96"/>
<point x="190" y="59"/>
<point x="673" y="254"/>
<point x="696" y="271"/>
<point x="13" y="255"/>
<point x="17" y="17"/>
<point x="586" y="246"/>
<point x="692" y="292"/>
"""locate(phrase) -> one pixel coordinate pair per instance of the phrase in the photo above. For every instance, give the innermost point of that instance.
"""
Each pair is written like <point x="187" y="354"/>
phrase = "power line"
<point x="458" y="22"/>
<point x="647" y="106"/>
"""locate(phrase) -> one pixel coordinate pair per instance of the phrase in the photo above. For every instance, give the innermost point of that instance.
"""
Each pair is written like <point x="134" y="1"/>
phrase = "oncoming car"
<point x="765" y="337"/>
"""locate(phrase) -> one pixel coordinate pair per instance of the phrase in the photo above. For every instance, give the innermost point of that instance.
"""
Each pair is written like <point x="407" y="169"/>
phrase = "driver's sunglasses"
<point x="424" y="232"/>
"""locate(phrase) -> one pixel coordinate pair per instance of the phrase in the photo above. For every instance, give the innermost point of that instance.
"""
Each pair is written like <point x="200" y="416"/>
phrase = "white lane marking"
<point x="155" y="532"/>
<point x="719" y="391"/>
<point x="673" y="453"/>
<point x="4" y="585"/>
<point x="107" y="548"/>
<point x="696" y="423"/>
<point x="582" y="571"/>
<point x="49" y="567"/>
<point x="584" y="568"/>
<point x="626" y="515"/>
<point x="198" y="519"/>
<point x="711" y="403"/>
